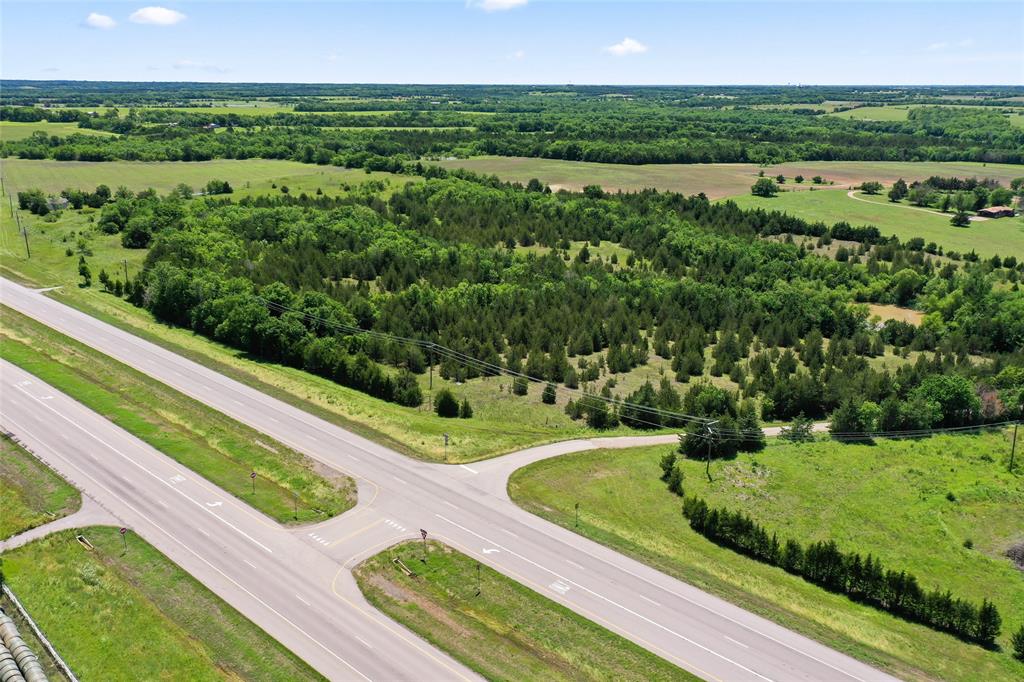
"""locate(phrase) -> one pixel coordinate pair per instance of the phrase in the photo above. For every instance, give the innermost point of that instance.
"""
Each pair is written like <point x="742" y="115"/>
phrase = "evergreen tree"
<point x="465" y="410"/>
<point x="445" y="404"/>
<point x="989" y="624"/>
<point x="548" y="396"/>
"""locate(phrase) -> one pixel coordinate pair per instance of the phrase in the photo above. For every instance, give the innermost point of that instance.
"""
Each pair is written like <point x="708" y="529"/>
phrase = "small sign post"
<point x="253" y="477"/>
<point x="124" y="539"/>
<point x="577" y="514"/>
<point x="446" y="448"/>
<point x="423" y="534"/>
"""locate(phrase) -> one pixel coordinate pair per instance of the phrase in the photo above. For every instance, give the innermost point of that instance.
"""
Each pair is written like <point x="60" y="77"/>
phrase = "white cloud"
<point x="518" y="55"/>
<point x="193" y="65"/>
<point x="935" y="47"/>
<point x="101" y="21"/>
<point x="627" y="46"/>
<point x="495" y="5"/>
<point x="161" y="16"/>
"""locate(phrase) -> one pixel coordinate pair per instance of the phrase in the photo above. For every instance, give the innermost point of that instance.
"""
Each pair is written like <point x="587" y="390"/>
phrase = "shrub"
<point x="764" y="187"/>
<point x="445" y="404"/>
<point x="465" y="410"/>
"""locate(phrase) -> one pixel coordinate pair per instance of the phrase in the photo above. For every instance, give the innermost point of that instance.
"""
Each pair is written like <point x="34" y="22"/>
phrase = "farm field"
<point x="136" y="615"/>
<point x="504" y="631"/>
<point x="889" y="499"/>
<point x="717" y="180"/>
<point x="214" y="446"/>
<point x="1004" y="236"/>
<point x="31" y="494"/>
<point x="163" y="176"/>
<point x="16" y="130"/>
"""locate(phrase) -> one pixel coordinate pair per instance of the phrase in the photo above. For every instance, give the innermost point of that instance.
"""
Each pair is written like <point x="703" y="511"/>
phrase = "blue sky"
<point x="517" y="41"/>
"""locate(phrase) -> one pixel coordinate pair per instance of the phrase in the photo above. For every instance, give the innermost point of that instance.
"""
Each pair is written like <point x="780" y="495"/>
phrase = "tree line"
<point x="863" y="579"/>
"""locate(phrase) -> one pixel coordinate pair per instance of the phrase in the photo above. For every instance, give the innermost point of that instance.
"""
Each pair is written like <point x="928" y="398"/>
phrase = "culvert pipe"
<point x="28" y="663"/>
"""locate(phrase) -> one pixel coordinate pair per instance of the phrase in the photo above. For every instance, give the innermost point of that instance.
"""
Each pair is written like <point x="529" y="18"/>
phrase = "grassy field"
<point x="207" y="442"/>
<point x="30" y="493"/>
<point x="717" y="180"/>
<point x="889" y="499"/>
<point x="900" y="112"/>
<point x="1004" y="236"/>
<point x="496" y="626"/>
<point x="138" y="616"/>
<point x="163" y="176"/>
<point x="11" y="131"/>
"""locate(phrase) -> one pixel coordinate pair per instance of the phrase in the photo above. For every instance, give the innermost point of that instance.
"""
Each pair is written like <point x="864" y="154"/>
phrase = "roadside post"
<point x="124" y="539"/>
<point x="478" y="578"/>
<point x="446" y="448"/>
<point x="252" y="477"/>
<point x="423" y="534"/>
<point x="577" y="514"/>
<point x="295" y="499"/>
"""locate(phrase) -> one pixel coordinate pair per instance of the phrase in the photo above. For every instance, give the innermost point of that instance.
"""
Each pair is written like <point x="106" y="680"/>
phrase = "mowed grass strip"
<point x="506" y="631"/>
<point x="137" y="616"/>
<point x="30" y="493"/>
<point x="213" y="445"/>
<point x="889" y="499"/>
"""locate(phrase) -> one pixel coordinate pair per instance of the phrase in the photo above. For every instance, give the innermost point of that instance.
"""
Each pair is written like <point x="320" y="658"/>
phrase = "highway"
<point x="260" y="568"/>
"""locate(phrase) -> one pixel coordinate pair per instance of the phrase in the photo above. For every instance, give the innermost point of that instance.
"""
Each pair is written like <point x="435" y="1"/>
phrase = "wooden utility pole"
<point x="1013" y="448"/>
<point x="711" y="435"/>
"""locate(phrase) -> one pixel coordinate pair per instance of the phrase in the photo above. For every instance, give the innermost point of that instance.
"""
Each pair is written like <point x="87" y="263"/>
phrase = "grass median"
<point x="137" y="616"/>
<point x="496" y="626"/>
<point x="30" y="493"/>
<point x="213" y="445"/>
<point x="944" y="509"/>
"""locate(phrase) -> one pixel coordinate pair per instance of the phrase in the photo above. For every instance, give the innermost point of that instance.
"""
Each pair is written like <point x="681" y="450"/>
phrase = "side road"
<point x="690" y="628"/>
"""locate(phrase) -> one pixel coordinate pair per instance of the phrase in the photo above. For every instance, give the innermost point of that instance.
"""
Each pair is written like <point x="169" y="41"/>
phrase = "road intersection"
<point x="296" y="583"/>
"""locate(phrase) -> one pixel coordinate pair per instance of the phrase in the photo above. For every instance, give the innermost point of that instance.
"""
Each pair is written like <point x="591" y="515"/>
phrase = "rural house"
<point x="996" y="212"/>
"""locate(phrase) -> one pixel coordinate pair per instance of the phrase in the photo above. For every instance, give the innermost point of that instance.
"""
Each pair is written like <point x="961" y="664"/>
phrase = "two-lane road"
<point x="465" y="506"/>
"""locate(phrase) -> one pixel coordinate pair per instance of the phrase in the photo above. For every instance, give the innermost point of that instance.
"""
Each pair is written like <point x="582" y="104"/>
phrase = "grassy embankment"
<point x="504" y="632"/>
<point x="216" y="447"/>
<point x="889" y="499"/>
<point x="1004" y="236"/>
<point x="137" y="616"/>
<point x="30" y="493"/>
<point x="719" y="180"/>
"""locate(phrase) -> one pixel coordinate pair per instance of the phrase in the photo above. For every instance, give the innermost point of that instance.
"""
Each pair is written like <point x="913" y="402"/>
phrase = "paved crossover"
<point x="465" y="506"/>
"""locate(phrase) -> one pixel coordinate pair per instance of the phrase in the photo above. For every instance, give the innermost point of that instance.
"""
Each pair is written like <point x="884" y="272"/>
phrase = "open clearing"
<point x="1004" y="236"/>
<point x="889" y="499"/>
<point x="717" y="180"/>
<point x="504" y="631"/>
<point x="137" y="616"/>
<point x="16" y="130"/>
<point x="213" y="445"/>
<point x="30" y="493"/>
<point x="900" y="112"/>
<point x="163" y="176"/>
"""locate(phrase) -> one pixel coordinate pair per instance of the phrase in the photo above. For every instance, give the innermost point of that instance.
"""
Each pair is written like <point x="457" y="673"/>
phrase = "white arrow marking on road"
<point x="214" y="504"/>
<point x="490" y="550"/>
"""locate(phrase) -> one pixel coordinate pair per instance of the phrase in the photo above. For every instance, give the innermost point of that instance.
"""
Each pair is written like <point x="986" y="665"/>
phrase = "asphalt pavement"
<point x="282" y="579"/>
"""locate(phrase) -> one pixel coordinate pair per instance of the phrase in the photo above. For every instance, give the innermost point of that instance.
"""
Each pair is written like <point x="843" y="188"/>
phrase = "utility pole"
<point x="711" y="435"/>
<point x="1013" y="448"/>
<point x="430" y="360"/>
<point x="24" y="233"/>
<point x="125" y="261"/>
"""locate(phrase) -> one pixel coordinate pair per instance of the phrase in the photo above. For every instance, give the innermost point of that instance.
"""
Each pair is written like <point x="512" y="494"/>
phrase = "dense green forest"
<point x="483" y="269"/>
<point x="627" y="125"/>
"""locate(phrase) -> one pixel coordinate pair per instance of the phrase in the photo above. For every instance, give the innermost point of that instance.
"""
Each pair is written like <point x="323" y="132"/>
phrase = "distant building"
<point x="57" y="203"/>
<point x="996" y="212"/>
<point x="211" y="126"/>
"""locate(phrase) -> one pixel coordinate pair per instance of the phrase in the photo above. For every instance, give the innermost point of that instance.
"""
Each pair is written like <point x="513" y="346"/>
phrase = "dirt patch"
<point x="1016" y="555"/>
<point x="403" y="595"/>
<point x="893" y="312"/>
